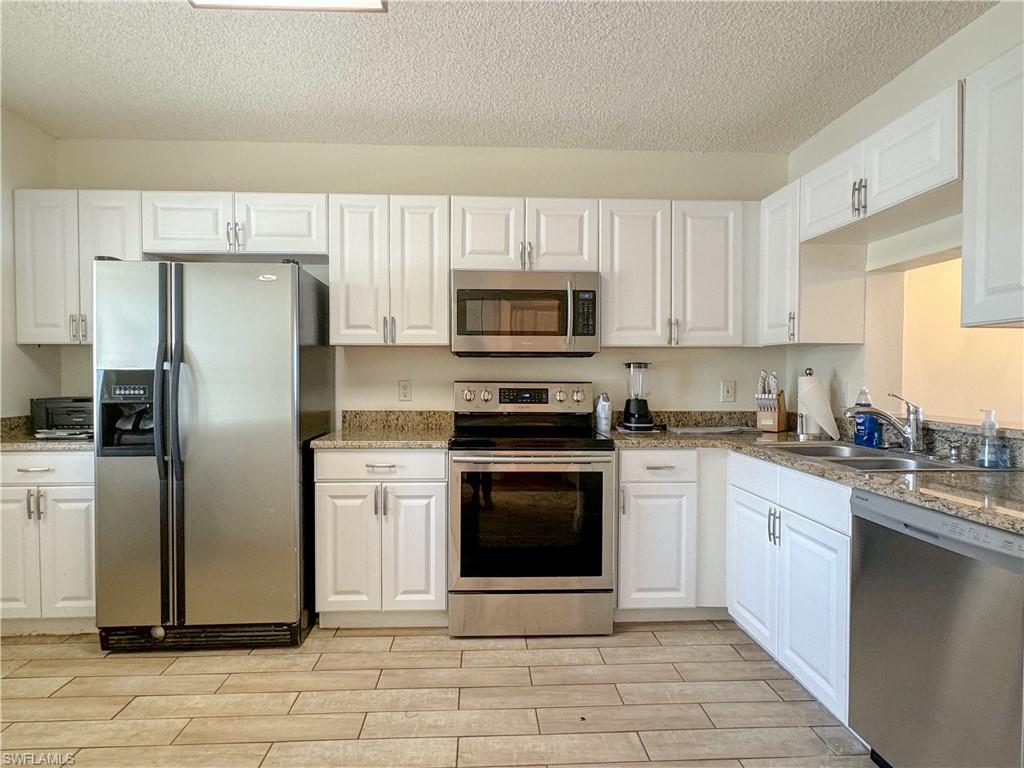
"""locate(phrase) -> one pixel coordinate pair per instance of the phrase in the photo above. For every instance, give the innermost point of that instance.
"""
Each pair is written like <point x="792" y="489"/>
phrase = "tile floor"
<point x="678" y="694"/>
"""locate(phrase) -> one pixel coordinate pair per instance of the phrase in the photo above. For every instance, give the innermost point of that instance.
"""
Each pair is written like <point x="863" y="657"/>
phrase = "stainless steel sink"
<point x="896" y="464"/>
<point x="820" y="450"/>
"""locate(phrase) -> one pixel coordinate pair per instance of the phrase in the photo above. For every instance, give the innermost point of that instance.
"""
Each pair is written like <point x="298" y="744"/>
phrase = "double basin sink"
<point x="858" y="459"/>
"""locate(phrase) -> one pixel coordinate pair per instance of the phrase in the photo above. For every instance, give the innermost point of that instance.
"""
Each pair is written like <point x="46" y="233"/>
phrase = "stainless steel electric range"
<point x="531" y="511"/>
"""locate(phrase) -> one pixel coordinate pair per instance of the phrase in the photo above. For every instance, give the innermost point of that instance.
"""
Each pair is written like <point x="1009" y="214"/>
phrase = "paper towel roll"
<point x="813" y="402"/>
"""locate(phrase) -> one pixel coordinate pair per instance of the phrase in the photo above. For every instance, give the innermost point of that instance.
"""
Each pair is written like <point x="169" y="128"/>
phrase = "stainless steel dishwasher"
<point x="936" y="637"/>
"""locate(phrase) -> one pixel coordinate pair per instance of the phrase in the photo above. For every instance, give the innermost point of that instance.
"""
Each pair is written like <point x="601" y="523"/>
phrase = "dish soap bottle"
<point x="993" y="453"/>
<point x="866" y="426"/>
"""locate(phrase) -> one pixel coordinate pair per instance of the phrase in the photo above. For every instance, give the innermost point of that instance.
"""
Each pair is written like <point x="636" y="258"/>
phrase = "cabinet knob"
<point x="468" y="395"/>
<point x="560" y="396"/>
<point x="486" y="396"/>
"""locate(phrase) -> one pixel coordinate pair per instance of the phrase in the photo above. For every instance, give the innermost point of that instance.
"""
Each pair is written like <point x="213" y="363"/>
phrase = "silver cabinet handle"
<point x="778" y="526"/>
<point x="380" y="466"/>
<point x="228" y="228"/>
<point x="394" y="332"/>
<point x="82" y="326"/>
<point x="863" y="197"/>
<point x="239" y="231"/>
<point x="675" y="325"/>
<point x="39" y="504"/>
<point x="529" y="255"/>
<point x="855" y="198"/>
<point x="28" y="502"/>
<point x="522" y="255"/>
<point x="384" y="504"/>
<point x="622" y="501"/>
<point x="376" y="499"/>
<point x="35" y="469"/>
<point x="771" y="526"/>
<point x="385" y="329"/>
<point x="792" y="326"/>
<point x="670" y="331"/>
<point x="653" y="467"/>
<point x="73" y="321"/>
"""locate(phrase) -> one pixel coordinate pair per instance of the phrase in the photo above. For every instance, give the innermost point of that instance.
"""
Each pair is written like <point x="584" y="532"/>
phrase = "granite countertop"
<point x="27" y="442"/>
<point x="385" y="437"/>
<point x="990" y="498"/>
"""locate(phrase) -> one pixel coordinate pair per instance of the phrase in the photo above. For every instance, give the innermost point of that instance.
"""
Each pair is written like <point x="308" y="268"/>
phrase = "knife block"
<point x="776" y="418"/>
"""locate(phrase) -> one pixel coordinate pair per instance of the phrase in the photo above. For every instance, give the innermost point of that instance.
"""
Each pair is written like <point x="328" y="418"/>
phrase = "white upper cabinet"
<point x="658" y="545"/>
<point x="636" y="273"/>
<point x="109" y="226"/>
<point x="347" y="546"/>
<point x="915" y="153"/>
<point x="187" y="222"/>
<point x="830" y="196"/>
<point x="993" y="255"/>
<point x="46" y="266"/>
<point x="419" y="269"/>
<point x="267" y="222"/>
<point x="358" y="269"/>
<point x="67" y="523"/>
<point x="707" y="266"/>
<point x="19" y="554"/>
<point x="488" y="233"/>
<point x="414" y="562"/>
<point x="780" y="265"/>
<point x="561" y="234"/>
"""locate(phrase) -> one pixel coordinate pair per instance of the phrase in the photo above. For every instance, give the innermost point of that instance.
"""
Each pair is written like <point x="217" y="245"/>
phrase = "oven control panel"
<point x="519" y="397"/>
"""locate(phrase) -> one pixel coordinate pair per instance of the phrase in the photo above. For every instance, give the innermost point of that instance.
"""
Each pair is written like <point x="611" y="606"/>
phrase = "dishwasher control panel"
<point x="982" y="536"/>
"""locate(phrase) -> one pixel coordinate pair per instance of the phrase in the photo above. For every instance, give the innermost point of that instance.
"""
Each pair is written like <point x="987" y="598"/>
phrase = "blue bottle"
<point x="867" y="430"/>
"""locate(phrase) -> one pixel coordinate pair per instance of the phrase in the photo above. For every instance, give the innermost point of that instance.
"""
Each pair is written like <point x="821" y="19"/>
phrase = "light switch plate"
<point x="404" y="390"/>
<point x="728" y="391"/>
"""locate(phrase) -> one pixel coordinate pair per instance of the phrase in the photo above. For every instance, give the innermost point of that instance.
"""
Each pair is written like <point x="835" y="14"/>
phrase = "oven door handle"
<point x="531" y="460"/>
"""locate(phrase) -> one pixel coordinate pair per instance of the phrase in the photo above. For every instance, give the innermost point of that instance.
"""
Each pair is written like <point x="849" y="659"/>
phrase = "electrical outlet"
<point x="728" y="391"/>
<point x="404" y="390"/>
<point x="844" y="394"/>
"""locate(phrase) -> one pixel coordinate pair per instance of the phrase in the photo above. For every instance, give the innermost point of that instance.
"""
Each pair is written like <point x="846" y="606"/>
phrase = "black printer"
<point x="66" y="418"/>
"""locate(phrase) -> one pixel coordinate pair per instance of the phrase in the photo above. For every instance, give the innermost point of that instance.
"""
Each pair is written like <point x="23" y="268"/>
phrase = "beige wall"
<point x="28" y="159"/>
<point x="954" y="371"/>
<point x="988" y="36"/>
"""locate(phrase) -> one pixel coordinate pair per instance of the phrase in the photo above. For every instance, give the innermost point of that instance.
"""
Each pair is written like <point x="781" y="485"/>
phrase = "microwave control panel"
<point x="584" y="313"/>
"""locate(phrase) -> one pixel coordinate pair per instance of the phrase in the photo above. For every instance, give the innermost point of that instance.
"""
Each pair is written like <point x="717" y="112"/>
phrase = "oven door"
<point x="521" y="313"/>
<point x="531" y="522"/>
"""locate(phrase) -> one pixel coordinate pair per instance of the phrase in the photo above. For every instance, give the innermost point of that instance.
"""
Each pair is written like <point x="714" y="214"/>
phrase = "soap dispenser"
<point x="993" y="453"/>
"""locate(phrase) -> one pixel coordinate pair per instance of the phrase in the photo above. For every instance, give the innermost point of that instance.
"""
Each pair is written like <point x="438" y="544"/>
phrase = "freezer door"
<point x="237" y="426"/>
<point x="132" y="567"/>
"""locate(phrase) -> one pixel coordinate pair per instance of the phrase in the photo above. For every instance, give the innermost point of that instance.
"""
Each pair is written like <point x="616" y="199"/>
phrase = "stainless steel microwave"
<point x="528" y="314"/>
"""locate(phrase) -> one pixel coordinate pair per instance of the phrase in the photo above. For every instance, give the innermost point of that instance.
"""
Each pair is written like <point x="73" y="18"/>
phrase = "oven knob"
<point x="560" y="396"/>
<point x="468" y="395"/>
<point x="577" y="395"/>
<point x="486" y="395"/>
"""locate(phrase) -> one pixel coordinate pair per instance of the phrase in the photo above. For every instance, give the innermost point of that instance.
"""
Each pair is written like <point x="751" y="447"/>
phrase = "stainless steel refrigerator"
<point x="210" y="380"/>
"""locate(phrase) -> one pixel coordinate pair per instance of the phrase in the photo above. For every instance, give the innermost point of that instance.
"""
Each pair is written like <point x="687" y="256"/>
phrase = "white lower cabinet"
<point x="47" y="552"/>
<point x="381" y="546"/>
<point x="658" y="545"/>
<point x="788" y="574"/>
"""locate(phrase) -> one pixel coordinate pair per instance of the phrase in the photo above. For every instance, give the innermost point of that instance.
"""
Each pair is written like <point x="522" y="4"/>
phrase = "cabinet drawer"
<point x="658" y="466"/>
<point x="380" y="465"/>
<point x="754" y="476"/>
<point x="819" y="500"/>
<point x="46" y="468"/>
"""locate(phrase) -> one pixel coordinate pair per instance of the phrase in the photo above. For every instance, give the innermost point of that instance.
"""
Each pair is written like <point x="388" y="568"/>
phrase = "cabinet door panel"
<point x="67" y="535"/>
<point x="414" y="548"/>
<point x="281" y="222"/>
<point x="826" y="193"/>
<point x="636" y="273"/>
<point x="562" y="233"/>
<point x="658" y="546"/>
<point x="109" y="225"/>
<point x="19" y="555"/>
<point x="751" y="568"/>
<point x="707" y="268"/>
<point x="487" y="232"/>
<point x="186" y="222"/>
<point x="419" y="269"/>
<point x="347" y="547"/>
<point x="46" y="265"/>
<point x="780" y="265"/>
<point x="993" y="243"/>
<point x="814" y="608"/>
<point x="915" y="153"/>
<point x="358" y="268"/>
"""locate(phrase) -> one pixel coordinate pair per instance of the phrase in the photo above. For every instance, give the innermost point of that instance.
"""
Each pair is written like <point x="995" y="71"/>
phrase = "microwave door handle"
<point x="569" y="319"/>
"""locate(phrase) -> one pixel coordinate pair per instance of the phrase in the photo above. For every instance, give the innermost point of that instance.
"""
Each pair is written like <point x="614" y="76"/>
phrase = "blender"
<point x="636" y="416"/>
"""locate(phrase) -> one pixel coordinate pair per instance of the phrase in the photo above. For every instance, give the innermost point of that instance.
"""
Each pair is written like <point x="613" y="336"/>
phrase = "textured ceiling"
<point x="697" y="76"/>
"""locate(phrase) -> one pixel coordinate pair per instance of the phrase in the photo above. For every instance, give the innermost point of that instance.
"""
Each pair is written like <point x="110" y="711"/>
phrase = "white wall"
<point x="28" y="159"/>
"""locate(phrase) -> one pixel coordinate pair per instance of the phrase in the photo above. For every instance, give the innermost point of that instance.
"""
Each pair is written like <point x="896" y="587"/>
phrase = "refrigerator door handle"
<point x="159" y="412"/>
<point x="177" y="465"/>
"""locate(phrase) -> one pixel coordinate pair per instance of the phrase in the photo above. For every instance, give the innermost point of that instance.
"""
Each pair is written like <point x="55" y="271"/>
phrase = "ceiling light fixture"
<point x="366" y="6"/>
